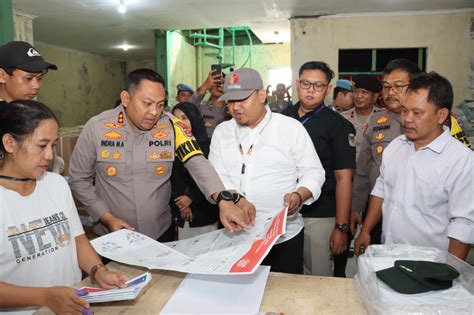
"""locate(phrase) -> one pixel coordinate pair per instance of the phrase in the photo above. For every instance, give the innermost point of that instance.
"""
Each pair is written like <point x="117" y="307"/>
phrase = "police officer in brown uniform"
<point x="122" y="162"/>
<point x="212" y="111"/>
<point x="382" y="128"/>
<point x="365" y="94"/>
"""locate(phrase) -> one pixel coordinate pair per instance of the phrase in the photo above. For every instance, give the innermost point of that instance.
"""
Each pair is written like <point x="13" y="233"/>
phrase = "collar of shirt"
<point x="374" y="110"/>
<point x="392" y="115"/>
<point x="437" y="145"/>
<point x="129" y="127"/>
<point x="244" y="131"/>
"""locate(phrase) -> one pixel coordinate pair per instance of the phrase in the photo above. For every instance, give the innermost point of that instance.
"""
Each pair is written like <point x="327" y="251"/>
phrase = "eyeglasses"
<point x="397" y="88"/>
<point x="317" y="86"/>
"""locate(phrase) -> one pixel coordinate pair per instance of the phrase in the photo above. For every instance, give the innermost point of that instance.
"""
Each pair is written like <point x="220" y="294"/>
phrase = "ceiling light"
<point x="122" y="8"/>
<point x="125" y="47"/>
<point x="277" y="37"/>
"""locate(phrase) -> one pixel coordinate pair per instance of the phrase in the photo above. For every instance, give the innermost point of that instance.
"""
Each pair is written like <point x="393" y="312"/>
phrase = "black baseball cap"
<point x="23" y="56"/>
<point x="414" y="276"/>
<point x="367" y="82"/>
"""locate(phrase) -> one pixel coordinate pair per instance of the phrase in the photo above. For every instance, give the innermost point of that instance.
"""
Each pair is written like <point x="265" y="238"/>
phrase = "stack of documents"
<point x="134" y="286"/>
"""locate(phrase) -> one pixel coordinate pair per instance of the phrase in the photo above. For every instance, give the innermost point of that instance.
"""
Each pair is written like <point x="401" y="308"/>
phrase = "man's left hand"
<point x="247" y="207"/>
<point x="337" y="242"/>
<point x="182" y="202"/>
<point x="107" y="279"/>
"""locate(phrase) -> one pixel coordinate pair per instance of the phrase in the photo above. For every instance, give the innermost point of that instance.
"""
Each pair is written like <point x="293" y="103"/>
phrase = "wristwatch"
<point x="344" y="228"/>
<point x="224" y="195"/>
<point x="236" y="197"/>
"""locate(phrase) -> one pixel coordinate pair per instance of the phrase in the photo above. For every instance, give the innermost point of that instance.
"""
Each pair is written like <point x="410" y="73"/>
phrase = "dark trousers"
<point x="169" y="235"/>
<point x="376" y="233"/>
<point x="287" y="256"/>
<point x="340" y="261"/>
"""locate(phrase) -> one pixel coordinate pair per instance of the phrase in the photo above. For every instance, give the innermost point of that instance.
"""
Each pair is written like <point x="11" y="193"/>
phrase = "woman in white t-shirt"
<point x="42" y="244"/>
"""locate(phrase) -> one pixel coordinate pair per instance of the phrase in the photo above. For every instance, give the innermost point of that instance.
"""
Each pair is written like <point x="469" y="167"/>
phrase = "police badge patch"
<point x="351" y="139"/>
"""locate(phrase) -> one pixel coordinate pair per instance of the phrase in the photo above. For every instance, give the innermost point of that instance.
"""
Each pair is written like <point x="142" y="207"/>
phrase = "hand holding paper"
<point x="64" y="300"/>
<point x="130" y="290"/>
<point x="107" y="279"/>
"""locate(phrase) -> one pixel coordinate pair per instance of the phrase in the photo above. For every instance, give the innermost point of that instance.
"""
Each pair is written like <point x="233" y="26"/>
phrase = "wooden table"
<point x="289" y="294"/>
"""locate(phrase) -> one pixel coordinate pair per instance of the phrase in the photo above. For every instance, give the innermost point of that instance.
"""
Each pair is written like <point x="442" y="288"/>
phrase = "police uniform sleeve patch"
<point x="184" y="128"/>
<point x="186" y="145"/>
<point x="351" y="139"/>
<point x="457" y="132"/>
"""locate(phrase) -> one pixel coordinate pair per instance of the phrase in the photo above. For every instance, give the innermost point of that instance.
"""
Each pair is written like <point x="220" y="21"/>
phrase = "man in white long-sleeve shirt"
<point x="425" y="186"/>
<point x="269" y="159"/>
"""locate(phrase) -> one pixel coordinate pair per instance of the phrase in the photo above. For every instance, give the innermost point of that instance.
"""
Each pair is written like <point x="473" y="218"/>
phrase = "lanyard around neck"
<point x="248" y="154"/>
<point x="312" y="114"/>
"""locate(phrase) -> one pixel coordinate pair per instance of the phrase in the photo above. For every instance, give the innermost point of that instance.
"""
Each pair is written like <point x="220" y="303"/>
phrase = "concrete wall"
<point x="264" y="57"/>
<point x="83" y="86"/>
<point x="445" y="35"/>
<point x="133" y="65"/>
<point x="190" y="65"/>
<point x="23" y="24"/>
<point x="182" y="64"/>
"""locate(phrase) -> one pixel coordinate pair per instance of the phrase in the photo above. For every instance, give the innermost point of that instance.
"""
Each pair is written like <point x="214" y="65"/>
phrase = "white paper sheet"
<point x="217" y="252"/>
<point x="211" y="294"/>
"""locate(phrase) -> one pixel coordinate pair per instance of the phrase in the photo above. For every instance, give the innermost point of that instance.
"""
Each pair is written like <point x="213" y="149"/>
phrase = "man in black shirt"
<point x="327" y="219"/>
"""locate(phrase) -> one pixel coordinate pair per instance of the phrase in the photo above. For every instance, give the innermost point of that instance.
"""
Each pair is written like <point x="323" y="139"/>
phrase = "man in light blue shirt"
<point x="425" y="187"/>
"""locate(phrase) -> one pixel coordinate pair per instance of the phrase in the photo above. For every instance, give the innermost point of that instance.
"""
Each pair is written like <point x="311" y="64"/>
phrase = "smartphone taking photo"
<point x="216" y="70"/>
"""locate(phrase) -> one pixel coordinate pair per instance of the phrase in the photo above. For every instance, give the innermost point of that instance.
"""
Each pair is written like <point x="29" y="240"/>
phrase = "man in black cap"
<point x="382" y="128"/>
<point x="366" y="92"/>
<point x="21" y="70"/>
